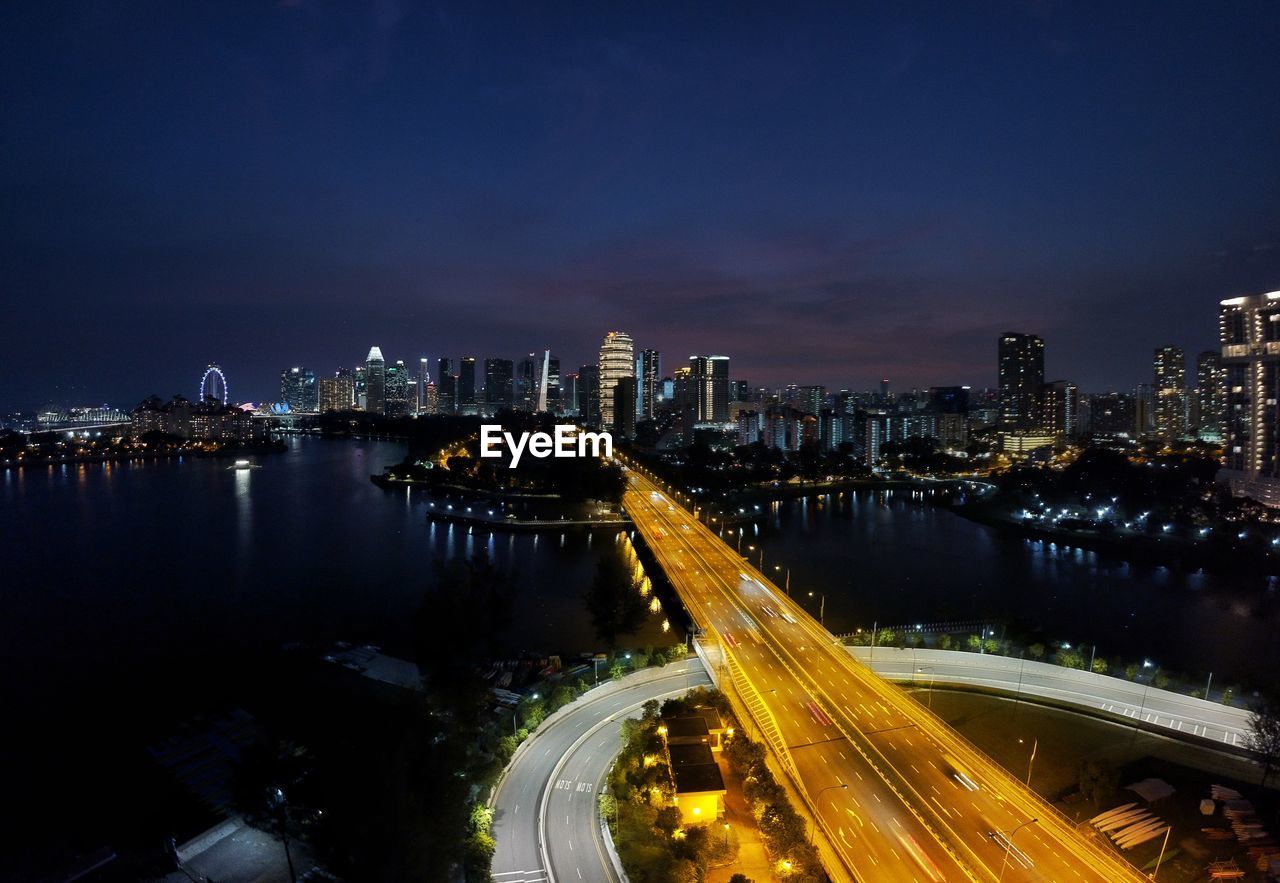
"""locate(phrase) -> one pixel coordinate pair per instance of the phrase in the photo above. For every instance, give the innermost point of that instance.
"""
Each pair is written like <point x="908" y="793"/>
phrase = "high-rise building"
<point x="624" y="407"/>
<point x="709" y="388"/>
<point x="497" y="384"/>
<point x="1170" y="389"/>
<point x="424" y="380"/>
<point x="1021" y="376"/>
<point x="397" y="390"/>
<point x="649" y="372"/>
<point x="617" y="360"/>
<point x="467" y="385"/>
<point x="1210" y="395"/>
<point x="589" y="395"/>
<point x="361" y="387"/>
<point x="1249" y="329"/>
<point x="1111" y="416"/>
<point x="546" y="382"/>
<point x="739" y="391"/>
<point x="375" y="382"/>
<point x="337" y="393"/>
<point x="298" y="389"/>
<point x="1059" y="409"/>
<point x="812" y="399"/>
<point x="569" y="394"/>
<point x="446" y="387"/>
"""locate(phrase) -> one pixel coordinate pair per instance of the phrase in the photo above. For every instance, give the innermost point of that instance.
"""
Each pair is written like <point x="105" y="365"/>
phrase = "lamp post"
<point x="933" y="674"/>
<point x="1035" y="744"/>
<point x="277" y="801"/>
<point x="778" y="568"/>
<point x="1008" y="838"/>
<point x="822" y="607"/>
<point x="821" y="791"/>
<point x="1160" y="858"/>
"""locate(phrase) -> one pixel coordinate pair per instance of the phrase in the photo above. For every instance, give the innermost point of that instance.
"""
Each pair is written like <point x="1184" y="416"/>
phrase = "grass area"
<point x="1111" y="755"/>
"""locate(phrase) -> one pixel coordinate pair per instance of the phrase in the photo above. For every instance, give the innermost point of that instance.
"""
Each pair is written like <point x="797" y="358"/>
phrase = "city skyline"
<point x="812" y="204"/>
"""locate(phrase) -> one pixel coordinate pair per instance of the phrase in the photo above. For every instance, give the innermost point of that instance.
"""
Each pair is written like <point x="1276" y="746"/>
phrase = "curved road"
<point x="1097" y="694"/>
<point x="545" y="808"/>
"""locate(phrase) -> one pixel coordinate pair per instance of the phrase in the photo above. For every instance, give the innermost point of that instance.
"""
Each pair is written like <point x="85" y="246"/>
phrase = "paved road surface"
<point x="899" y="794"/>
<point x="1095" y="692"/>
<point x="546" y="807"/>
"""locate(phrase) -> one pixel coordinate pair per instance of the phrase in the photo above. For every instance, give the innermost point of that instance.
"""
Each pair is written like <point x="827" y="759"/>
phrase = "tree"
<point x="615" y="604"/>
<point x="1100" y="666"/>
<point x="1097" y="782"/>
<point x="741" y="878"/>
<point x="1036" y="651"/>
<point x="1263" y="737"/>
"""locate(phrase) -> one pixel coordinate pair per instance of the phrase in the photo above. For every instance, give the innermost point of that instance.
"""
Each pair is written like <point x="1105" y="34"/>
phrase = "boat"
<point x="244" y="464"/>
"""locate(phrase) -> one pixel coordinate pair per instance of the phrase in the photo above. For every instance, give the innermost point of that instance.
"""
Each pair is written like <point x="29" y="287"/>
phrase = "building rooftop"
<point x="689" y="727"/>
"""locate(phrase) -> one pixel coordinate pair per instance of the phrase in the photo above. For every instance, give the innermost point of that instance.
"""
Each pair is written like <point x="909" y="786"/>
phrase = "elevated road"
<point x="546" y="818"/>
<point x="898" y="794"/>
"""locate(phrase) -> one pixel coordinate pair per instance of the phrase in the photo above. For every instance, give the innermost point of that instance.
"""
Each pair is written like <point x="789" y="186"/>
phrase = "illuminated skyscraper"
<point x="1249" y="328"/>
<point x="467" y="385"/>
<point x="1021" y="375"/>
<point x="397" y="390"/>
<point x="617" y="360"/>
<point x="375" y="382"/>
<point x="497" y="385"/>
<point x="337" y="393"/>
<point x="1170" y="389"/>
<point x="420" y="391"/>
<point x="624" y="407"/>
<point x="649" y="373"/>
<point x="709" y="388"/>
<point x="298" y="389"/>
<point x="446" y="388"/>
<point x="1210" y="395"/>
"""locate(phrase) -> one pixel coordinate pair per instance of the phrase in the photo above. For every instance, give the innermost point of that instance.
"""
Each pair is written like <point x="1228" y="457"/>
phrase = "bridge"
<point x="895" y="792"/>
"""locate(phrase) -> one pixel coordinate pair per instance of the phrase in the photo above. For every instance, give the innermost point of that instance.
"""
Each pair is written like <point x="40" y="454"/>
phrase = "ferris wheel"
<point x="213" y="384"/>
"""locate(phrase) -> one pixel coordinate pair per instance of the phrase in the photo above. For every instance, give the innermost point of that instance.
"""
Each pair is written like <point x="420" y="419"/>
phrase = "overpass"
<point x="897" y="794"/>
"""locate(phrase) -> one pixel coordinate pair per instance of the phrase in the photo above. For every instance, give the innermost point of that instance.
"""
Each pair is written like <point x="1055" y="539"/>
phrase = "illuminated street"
<point x="899" y="795"/>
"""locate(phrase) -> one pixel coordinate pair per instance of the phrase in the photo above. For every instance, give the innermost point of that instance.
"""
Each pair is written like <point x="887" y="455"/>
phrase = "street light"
<point x="1008" y="841"/>
<point x="822" y="607"/>
<point x="778" y="568"/>
<point x="822" y="791"/>
<point x="933" y="674"/>
<point x="1035" y="744"/>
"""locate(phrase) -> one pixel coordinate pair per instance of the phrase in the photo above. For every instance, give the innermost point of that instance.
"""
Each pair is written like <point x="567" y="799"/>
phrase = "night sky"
<point x="828" y="197"/>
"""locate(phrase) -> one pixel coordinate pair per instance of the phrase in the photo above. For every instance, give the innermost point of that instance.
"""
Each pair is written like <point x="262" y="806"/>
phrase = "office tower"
<point x="1144" y="409"/>
<point x="649" y="372"/>
<point x="739" y="391"/>
<point x="397" y="390"/>
<point x="375" y="382"/>
<point x="424" y="380"/>
<point x="497" y="385"/>
<point x="1021" y="375"/>
<point x="1111" y="416"/>
<point x="446" y="387"/>
<point x="1210" y="395"/>
<point x="298" y="389"/>
<point x="569" y="394"/>
<point x="949" y="399"/>
<point x="526" y="383"/>
<point x="546" y="382"/>
<point x="589" y="395"/>
<point x="709" y="387"/>
<point x="337" y="393"/>
<point x="1249" y="329"/>
<point x="624" y="407"/>
<point x="812" y="399"/>
<point x="884" y="391"/>
<point x="467" y="385"/>
<point x="1059" y="409"/>
<point x="361" y="388"/>
<point x="617" y="360"/>
<point x="1170" y="389"/>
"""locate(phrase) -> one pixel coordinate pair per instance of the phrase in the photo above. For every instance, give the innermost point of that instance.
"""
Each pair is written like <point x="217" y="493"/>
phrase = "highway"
<point x="899" y="795"/>
<point x="546" y="818"/>
<point x="1096" y="694"/>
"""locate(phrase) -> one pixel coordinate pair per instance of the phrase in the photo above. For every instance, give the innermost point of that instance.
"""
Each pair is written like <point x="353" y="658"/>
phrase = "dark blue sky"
<point x="828" y="196"/>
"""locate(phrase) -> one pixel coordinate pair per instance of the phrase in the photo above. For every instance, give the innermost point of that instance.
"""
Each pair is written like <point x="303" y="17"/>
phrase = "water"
<point x="889" y="556"/>
<point x="135" y="595"/>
